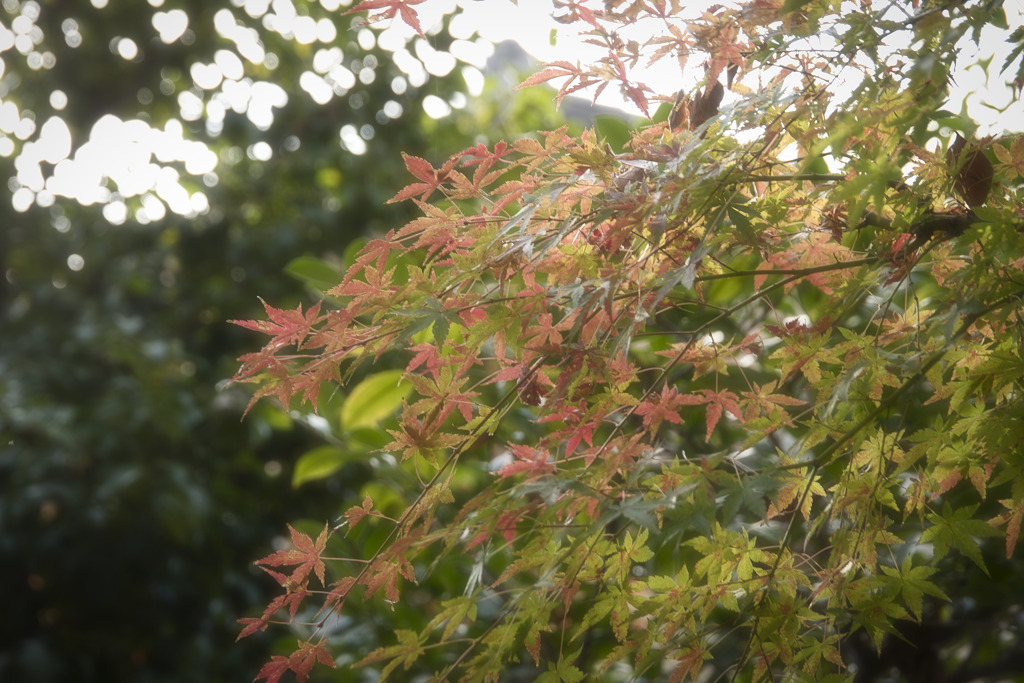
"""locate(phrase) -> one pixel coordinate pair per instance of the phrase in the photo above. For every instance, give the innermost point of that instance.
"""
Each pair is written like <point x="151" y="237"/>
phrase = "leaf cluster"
<point x="725" y="396"/>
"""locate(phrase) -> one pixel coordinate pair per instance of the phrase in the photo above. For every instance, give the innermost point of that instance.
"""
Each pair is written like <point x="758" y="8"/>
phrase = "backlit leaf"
<point x="375" y="398"/>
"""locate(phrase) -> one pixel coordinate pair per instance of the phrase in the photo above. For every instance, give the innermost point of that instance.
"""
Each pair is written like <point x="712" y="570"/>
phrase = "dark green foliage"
<point x="132" y="499"/>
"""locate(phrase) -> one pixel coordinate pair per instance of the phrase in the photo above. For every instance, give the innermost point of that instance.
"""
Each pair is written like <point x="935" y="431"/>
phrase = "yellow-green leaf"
<point x="373" y="399"/>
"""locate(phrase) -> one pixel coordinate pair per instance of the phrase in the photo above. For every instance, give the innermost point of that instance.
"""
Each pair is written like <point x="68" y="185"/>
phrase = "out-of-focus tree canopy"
<point x="166" y="161"/>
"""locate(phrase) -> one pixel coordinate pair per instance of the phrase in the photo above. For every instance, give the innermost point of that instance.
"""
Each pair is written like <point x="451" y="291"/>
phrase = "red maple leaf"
<point x="545" y="332"/>
<point x="661" y="407"/>
<point x="273" y="670"/>
<point x="584" y="431"/>
<point x="481" y="155"/>
<point x="506" y="524"/>
<point x="339" y="591"/>
<point x="389" y="8"/>
<point x="559" y="69"/>
<point x="305" y="554"/>
<point x="531" y="460"/>
<point x="252" y="624"/>
<point x="375" y="250"/>
<point x="385" y="574"/>
<point x="428" y="356"/>
<point x="301" y="662"/>
<point x="286" y="327"/>
<point x="717" y="402"/>
<point x="577" y="11"/>
<point x="431" y="178"/>
<point x="356" y="513"/>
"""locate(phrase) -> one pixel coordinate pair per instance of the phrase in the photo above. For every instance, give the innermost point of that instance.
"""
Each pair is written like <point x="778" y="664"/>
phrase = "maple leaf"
<point x="560" y="69"/>
<point x="339" y="591"/>
<point x="431" y="178"/>
<point x="576" y="425"/>
<point x="405" y="653"/>
<point x="661" y="407"/>
<point x="273" y="670"/>
<point x="689" y="663"/>
<point x="293" y="598"/>
<point x="717" y="402"/>
<point x="763" y="400"/>
<point x="301" y="662"/>
<point x="531" y="460"/>
<point x="481" y="155"/>
<point x="544" y="332"/>
<point x="582" y="432"/>
<point x="790" y="492"/>
<point x="384" y="574"/>
<point x="1012" y="518"/>
<point x="305" y="554"/>
<point x="252" y="624"/>
<point x="375" y="250"/>
<point x="356" y="513"/>
<point x="286" y="327"/>
<point x="635" y="92"/>
<point x="552" y="70"/>
<point x="473" y="316"/>
<point x="308" y="654"/>
<point x="428" y="356"/>
<point x="506" y="524"/>
<point x="390" y="8"/>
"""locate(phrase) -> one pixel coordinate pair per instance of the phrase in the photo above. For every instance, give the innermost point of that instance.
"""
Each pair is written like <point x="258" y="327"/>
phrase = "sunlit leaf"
<point x="375" y="398"/>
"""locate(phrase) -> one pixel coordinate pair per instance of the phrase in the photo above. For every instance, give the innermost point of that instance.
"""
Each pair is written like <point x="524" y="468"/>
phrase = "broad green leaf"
<point x="794" y="5"/>
<point x="374" y="399"/>
<point x="321" y="462"/>
<point x="348" y="257"/>
<point x="613" y="129"/>
<point x="372" y="437"/>
<point x="315" y="272"/>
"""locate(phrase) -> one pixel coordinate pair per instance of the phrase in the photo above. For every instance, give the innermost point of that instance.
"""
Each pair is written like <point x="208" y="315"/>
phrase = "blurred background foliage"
<point x="248" y="147"/>
<point x="235" y="142"/>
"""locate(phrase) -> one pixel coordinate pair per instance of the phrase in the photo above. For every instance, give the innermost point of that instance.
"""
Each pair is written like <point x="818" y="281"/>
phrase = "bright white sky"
<point x="990" y="102"/>
<point x="124" y="159"/>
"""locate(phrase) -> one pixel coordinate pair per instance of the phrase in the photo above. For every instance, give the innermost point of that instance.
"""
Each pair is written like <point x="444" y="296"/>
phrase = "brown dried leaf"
<point x="972" y="171"/>
<point x="705" y="105"/>
<point x="680" y="114"/>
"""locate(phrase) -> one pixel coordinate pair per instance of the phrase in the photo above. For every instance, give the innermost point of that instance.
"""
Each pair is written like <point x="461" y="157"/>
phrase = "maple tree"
<point x="721" y="397"/>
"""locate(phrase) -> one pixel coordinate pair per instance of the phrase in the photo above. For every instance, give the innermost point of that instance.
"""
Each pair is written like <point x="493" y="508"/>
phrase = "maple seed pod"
<point x="972" y="172"/>
<point x="705" y="105"/>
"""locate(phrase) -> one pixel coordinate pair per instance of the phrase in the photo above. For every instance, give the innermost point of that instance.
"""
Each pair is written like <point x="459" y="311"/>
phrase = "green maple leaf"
<point x="958" y="528"/>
